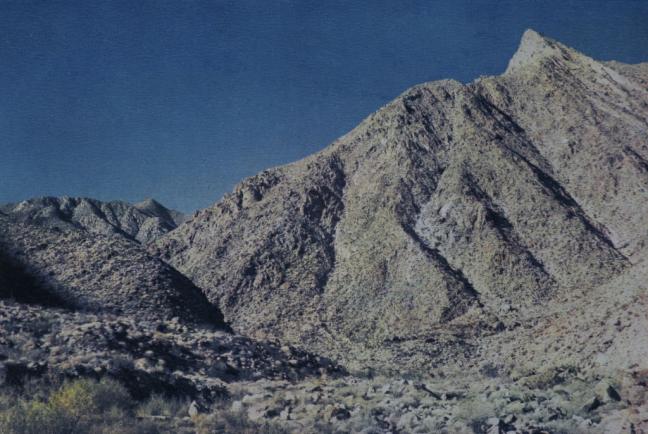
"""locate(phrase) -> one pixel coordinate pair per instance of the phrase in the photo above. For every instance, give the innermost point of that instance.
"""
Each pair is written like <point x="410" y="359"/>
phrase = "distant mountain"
<point x="154" y="208"/>
<point x="454" y="212"/>
<point x="142" y="222"/>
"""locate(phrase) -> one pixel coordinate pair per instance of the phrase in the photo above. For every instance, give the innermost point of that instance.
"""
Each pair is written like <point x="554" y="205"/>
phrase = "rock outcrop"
<point x="151" y="356"/>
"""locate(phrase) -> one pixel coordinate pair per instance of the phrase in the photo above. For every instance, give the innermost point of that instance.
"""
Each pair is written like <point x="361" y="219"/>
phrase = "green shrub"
<point x="109" y="394"/>
<point x="75" y="399"/>
<point x="84" y="399"/>
<point x="76" y="407"/>
<point x="35" y="417"/>
<point x="158" y="405"/>
<point x="46" y="406"/>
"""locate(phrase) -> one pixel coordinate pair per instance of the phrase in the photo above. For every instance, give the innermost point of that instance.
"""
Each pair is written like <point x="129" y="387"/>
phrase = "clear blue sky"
<point x="179" y="100"/>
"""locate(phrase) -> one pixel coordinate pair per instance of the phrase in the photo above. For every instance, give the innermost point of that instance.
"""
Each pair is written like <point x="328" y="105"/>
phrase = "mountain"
<point x="153" y="208"/>
<point x="470" y="258"/>
<point x="79" y="299"/>
<point x="455" y="213"/>
<point x="73" y="268"/>
<point x="142" y="222"/>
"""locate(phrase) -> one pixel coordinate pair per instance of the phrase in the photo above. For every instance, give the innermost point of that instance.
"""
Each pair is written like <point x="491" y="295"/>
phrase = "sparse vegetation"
<point x="226" y="422"/>
<point x="80" y="406"/>
<point x="159" y="405"/>
<point x="86" y="406"/>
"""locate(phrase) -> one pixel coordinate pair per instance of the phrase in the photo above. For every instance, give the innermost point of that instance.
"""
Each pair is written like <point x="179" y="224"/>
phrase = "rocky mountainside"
<point x="142" y="222"/>
<point x="81" y="298"/>
<point x="452" y="213"/>
<point x="86" y="271"/>
<point x="87" y="254"/>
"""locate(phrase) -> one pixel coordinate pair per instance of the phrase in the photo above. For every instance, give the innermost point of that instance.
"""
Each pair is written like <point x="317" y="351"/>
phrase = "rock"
<point x="143" y="364"/>
<point x="193" y="409"/>
<point x="407" y="421"/>
<point x="492" y="421"/>
<point x="285" y="414"/>
<point x="606" y="392"/>
<point x="272" y="413"/>
<point x="247" y="399"/>
<point x="593" y="404"/>
<point x="339" y="413"/>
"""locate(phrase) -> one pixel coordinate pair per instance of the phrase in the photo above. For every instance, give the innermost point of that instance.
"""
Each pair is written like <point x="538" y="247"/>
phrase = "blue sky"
<point x="179" y="100"/>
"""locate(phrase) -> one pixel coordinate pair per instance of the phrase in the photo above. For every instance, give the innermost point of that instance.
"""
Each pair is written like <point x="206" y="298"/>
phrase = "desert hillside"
<point x="454" y="212"/>
<point x="470" y="258"/>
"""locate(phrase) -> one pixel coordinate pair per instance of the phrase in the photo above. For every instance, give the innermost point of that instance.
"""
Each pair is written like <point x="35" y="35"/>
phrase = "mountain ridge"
<point x="437" y="209"/>
<point x="141" y="222"/>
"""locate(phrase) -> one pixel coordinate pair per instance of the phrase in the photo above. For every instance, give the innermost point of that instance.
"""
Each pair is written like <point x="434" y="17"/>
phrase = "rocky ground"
<point x="149" y="356"/>
<point x="557" y="401"/>
<point x="301" y="392"/>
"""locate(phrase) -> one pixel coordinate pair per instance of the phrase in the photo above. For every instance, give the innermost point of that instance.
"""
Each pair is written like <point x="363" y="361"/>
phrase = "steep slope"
<point x="142" y="222"/>
<point x="154" y="208"/>
<point x="451" y="212"/>
<point x="18" y="284"/>
<point x="603" y="329"/>
<point x="591" y="129"/>
<point x="84" y="271"/>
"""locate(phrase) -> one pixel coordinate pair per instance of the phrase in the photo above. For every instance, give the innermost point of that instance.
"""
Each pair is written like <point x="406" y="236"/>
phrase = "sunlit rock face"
<point x="450" y="214"/>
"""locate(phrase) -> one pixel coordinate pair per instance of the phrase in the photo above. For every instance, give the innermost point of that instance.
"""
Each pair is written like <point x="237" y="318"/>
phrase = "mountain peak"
<point x="154" y="208"/>
<point x="533" y="47"/>
<point x="149" y="203"/>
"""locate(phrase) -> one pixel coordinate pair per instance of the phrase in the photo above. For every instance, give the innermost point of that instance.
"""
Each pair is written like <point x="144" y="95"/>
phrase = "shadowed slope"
<point x="95" y="272"/>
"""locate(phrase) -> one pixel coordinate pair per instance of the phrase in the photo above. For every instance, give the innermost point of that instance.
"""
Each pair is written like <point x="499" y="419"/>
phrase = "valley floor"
<point x="239" y="385"/>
